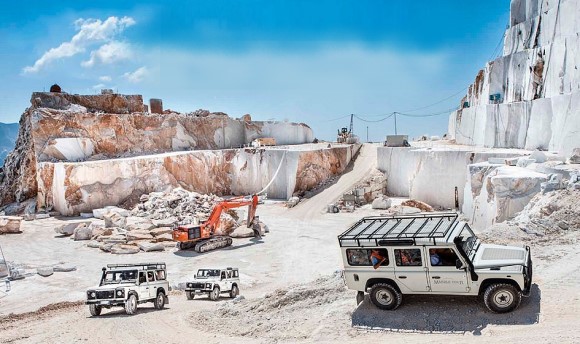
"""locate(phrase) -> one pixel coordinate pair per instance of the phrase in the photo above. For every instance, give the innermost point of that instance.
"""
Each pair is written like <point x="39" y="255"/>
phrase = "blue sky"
<point x="302" y="61"/>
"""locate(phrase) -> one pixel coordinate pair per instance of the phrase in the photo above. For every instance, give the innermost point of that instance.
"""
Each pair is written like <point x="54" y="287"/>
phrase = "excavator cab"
<point x="187" y="233"/>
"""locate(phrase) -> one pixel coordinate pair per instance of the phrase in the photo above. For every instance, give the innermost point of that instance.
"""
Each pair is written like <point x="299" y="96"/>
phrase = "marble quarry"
<point x="75" y="147"/>
<point x="529" y="97"/>
<point x="74" y="187"/>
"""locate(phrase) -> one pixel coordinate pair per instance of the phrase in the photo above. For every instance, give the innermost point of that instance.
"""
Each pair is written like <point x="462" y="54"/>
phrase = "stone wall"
<point x="546" y="117"/>
<point x="71" y="188"/>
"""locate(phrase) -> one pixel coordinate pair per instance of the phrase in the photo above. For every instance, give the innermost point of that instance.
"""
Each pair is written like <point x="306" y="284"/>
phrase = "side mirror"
<point x="458" y="264"/>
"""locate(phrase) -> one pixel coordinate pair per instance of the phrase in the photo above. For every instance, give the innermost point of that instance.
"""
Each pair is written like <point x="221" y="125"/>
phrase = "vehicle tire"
<point x="95" y="310"/>
<point x="360" y="296"/>
<point x="215" y="293"/>
<point x="131" y="305"/>
<point x="502" y="297"/>
<point x="190" y="295"/>
<point x="234" y="292"/>
<point x="159" y="300"/>
<point x="385" y="296"/>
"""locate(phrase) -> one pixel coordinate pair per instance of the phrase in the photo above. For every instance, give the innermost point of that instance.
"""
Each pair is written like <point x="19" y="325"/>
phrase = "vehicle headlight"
<point x="190" y="285"/>
<point x="91" y="294"/>
<point x="207" y="285"/>
<point x="120" y="292"/>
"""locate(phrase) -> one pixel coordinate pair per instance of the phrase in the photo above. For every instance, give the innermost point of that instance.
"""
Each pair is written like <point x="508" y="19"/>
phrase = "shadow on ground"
<point x="450" y="314"/>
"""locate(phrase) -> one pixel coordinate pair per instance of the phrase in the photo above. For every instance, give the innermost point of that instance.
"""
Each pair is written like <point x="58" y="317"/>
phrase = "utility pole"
<point x="367" y="133"/>
<point x="395" y="122"/>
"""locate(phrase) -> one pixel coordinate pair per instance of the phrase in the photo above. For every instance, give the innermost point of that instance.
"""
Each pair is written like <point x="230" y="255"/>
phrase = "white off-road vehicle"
<point x="127" y="285"/>
<point x="434" y="254"/>
<point x="214" y="282"/>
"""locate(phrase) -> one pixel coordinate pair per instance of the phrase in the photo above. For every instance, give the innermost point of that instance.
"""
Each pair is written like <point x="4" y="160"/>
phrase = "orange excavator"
<point x="202" y="237"/>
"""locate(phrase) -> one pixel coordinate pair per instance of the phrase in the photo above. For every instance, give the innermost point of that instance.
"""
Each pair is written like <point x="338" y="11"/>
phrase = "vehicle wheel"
<point x="502" y="297"/>
<point x="131" y="305"/>
<point x="360" y="296"/>
<point x="190" y="295"/>
<point x="215" y="293"/>
<point x="385" y="296"/>
<point x="95" y="310"/>
<point x="234" y="292"/>
<point x="159" y="300"/>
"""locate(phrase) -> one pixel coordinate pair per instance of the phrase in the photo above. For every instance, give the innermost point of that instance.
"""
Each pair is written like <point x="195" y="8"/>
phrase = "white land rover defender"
<point x="434" y="254"/>
<point x="214" y="282"/>
<point x="127" y="285"/>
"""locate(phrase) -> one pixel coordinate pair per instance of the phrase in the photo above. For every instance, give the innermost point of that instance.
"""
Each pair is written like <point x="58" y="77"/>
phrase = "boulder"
<point x="114" y="239"/>
<point x="69" y="228"/>
<point x="139" y="235"/>
<point x="163" y="237"/>
<point x="539" y="156"/>
<point x="292" y="202"/>
<point x="82" y="232"/>
<point x="101" y="212"/>
<point x="124" y="249"/>
<point x="98" y="230"/>
<point x="161" y="230"/>
<point x="10" y="224"/>
<point x="142" y="226"/>
<point x="150" y="247"/>
<point x="575" y="157"/>
<point x="242" y="232"/>
<point x="42" y="216"/>
<point x="45" y="271"/>
<point x="114" y="219"/>
<point x="64" y="268"/>
<point x="106" y="247"/>
<point x="168" y="222"/>
<point x="94" y="244"/>
<point x="417" y="204"/>
<point x="381" y="202"/>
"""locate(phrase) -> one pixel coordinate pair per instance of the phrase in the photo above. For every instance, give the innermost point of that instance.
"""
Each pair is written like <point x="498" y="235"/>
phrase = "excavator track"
<point x="213" y="244"/>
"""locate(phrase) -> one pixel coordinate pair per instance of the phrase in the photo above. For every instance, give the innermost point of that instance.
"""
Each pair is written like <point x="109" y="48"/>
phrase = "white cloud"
<point x="90" y="31"/>
<point x="136" y="76"/>
<point x="105" y="78"/>
<point x="109" y="53"/>
<point x="99" y="86"/>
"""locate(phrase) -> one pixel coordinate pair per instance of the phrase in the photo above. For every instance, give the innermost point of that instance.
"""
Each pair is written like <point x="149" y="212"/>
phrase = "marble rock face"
<point x="72" y="188"/>
<point x="530" y="96"/>
<point x="496" y="193"/>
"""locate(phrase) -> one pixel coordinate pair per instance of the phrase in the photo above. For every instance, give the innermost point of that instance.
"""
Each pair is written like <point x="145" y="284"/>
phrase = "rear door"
<point x="410" y="269"/>
<point x="443" y="275"/>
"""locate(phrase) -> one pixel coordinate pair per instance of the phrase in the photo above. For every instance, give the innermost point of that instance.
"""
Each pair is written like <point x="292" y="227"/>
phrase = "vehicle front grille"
<point x="198" y="285"/>
<point x="105" y="294"/>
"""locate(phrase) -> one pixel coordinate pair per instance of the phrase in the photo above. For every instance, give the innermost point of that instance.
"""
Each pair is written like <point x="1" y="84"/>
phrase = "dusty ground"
<point x="292" y="290"/>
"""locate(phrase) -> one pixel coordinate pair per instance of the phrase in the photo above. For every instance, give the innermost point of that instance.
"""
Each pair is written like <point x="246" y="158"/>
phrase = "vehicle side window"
<point x="408" y="257"/>
<point x="229" y="274"/>
<point x="366" y="257"/>
<point x="160" y="275"/>
<point x="142" y="277"/>
<point x="235" y="273"/>
<point x="150" y="276"/>
<point x="223" y="275"/>
<point x="442" y="257"/>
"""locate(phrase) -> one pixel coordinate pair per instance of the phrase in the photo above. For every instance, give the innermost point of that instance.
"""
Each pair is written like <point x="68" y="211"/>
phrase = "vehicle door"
<point x="224" y="282"/>
<point x="444" y="276"/>
<point x="143" y="287"/>
<point x="410" y="269"/>
<point x="153" y="285"/>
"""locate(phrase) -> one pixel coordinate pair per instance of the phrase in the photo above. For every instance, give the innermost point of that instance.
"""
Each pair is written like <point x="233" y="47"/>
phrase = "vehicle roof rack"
<point x="400" y="230"/>
<point x="144" y="266"/>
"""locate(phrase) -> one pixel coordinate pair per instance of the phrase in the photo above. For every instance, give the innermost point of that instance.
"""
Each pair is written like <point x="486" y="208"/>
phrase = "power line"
<point x="440" y="101"/>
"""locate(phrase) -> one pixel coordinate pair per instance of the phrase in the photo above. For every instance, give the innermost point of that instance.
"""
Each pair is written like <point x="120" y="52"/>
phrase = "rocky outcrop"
<point x="529" y="97"/>
<point x="72" y="188"/>
<point x="70" y="128"/>
<point x="10" y="224"/>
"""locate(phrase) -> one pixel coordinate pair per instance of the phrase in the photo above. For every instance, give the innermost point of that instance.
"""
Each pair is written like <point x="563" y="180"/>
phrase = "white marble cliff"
<point x="529" y="97"/>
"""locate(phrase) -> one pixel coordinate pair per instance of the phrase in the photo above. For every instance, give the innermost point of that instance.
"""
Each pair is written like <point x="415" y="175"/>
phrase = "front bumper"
<point x="198" y="290"/>
<point x="110" y="302"/>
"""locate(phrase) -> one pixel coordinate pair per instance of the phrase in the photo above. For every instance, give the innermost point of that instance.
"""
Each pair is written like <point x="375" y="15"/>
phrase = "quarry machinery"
<point x="203" y="237"/>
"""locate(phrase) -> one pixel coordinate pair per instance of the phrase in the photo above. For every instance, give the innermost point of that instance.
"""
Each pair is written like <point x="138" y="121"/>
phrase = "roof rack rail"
<point x="399" y="229"/>
<point x="146" y="265"/>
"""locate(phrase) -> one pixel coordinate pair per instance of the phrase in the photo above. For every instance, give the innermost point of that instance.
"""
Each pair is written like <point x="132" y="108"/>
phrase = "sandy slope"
<point x="291" y="290"/>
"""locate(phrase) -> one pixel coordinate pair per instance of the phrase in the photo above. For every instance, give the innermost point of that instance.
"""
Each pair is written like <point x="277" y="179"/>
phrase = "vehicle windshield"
<point x="123" y="276"/>
<point x="469" y="241"/>
<point x="205" y="273"/>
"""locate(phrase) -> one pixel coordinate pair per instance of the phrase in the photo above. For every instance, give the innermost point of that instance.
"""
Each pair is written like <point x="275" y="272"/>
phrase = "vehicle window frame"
<point x="368" y="256"/>
<point x="450" y="263"/>
<point x="399" y="262"/>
